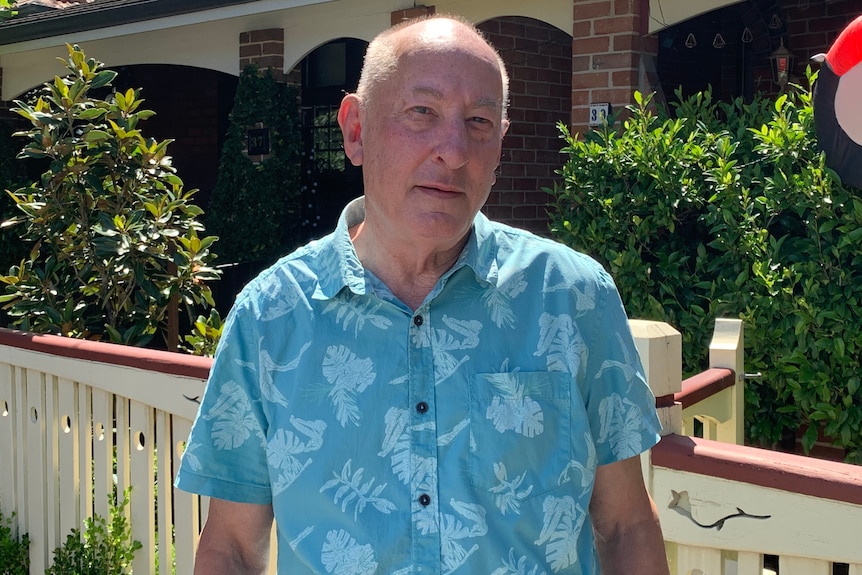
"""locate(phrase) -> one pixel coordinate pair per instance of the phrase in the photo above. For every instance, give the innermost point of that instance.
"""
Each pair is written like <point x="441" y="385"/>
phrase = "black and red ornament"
<point x="838" y="104"/>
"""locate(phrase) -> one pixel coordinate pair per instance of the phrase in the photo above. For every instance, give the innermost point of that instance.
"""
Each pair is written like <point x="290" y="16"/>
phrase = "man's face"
<point x="430" y="142"/>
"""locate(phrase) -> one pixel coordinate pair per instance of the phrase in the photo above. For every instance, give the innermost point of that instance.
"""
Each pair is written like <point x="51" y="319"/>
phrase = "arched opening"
<point x="329" y="180"/>
<point x="192" y="107"/>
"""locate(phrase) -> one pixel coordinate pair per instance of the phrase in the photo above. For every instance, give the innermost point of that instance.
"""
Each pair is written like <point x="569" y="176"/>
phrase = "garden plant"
<point x="255" y="195"/>
<point x="114" y="238"/>
<point x="727" y="209"/>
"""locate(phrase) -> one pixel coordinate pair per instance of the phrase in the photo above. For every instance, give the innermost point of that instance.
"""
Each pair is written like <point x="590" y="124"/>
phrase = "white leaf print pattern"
<point x="349" y="376"/>
<point x="518" y="567"/>
<point x="523" y="416"/>
<point x="452" y="530"/>
<point x="585" y="300"/>
<point x="352" y="310"/>
<point x="514" y="410"/>
<point x="583" y="470"/>
<point x="506" y="494"/>
<point x="626" y="367"/>
<point x="284" y="299"/>
<point x="191" y="459"/>
<point x="284" y="446"/>
<point x="498" y="301"/>
<point x="445" y="363"/>
<point x="408" y="468"/>
<point x="563" y="521"/>
<point x="234" y="422"/>
<point x="267" y="384"/>
<point x="351" y="489"/>
<point x="342" y="555"/>
<point x="620" y="425"/>
<point x="561" y="342"/>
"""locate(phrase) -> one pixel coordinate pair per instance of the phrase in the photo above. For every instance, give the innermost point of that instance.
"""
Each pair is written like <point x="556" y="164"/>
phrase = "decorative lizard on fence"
<point x="682" y="505"/>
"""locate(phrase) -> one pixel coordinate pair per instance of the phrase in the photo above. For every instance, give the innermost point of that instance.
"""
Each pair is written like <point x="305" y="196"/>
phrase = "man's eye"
<point x="480" y="120"/>
<point x="422" y="109"/>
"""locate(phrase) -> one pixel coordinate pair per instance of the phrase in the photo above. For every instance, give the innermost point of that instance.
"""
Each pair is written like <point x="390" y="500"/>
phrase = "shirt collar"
<point x="342" y="267"/>
<point x="345" y="269"/>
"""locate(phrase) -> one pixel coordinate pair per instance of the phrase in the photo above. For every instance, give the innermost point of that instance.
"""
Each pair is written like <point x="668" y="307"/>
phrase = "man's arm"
<point x="625" y="521"/>
<point x="235" y="539"/>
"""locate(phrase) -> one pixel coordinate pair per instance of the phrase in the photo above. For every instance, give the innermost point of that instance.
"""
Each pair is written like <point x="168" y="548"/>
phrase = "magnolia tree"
<point x="6" y="10"/>
<point x="115" y="238"/>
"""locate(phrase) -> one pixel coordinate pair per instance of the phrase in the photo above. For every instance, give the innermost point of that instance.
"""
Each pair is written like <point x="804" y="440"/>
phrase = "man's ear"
<point x="351" y="128"/>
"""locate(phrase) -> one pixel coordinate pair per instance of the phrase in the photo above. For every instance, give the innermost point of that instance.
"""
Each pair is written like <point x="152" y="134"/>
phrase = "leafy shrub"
<point x="14" y="552"/>
<point x="105" y="548"/>
<point x="728" y="209"/>
<point x="254" y="203"/>
<point x="7" y="10"/>
<point x="205" y="334"/>
<point x="114" y="235"/>
<point x="12" y="248"/>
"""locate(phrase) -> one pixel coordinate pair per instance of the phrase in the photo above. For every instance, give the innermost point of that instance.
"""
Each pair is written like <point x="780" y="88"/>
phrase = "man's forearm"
<point x="639" y="550"/>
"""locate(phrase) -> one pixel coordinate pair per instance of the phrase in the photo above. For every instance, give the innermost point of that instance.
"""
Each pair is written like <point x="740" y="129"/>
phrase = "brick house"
<point x="563" y="56"/>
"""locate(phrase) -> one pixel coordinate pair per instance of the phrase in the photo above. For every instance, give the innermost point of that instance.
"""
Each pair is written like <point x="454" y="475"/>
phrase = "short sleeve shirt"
<point x="462" y="437"/>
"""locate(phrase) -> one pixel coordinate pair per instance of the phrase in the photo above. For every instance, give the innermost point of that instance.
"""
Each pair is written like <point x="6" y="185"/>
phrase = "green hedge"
<point x="254" y="208"/>
<point x="728" y="210"/>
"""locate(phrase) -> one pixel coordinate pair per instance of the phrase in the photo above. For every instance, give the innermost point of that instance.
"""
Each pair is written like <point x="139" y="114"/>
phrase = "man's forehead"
<point x="438" y="30"/>
<point x="441" y="33"/>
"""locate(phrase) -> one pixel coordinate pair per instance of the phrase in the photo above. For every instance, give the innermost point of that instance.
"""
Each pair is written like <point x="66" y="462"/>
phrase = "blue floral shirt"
<point x="462" y="437"/>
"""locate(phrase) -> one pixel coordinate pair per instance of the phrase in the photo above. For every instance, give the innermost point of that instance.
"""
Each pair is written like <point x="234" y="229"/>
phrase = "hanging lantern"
<point x="782" y="63"/>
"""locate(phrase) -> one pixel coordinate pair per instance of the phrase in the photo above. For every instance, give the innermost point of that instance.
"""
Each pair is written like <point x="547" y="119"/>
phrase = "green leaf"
<point x="103" y="78"/>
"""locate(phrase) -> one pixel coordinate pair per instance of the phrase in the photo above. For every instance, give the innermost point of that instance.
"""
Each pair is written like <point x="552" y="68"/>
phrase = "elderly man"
<point x="424" y="390"/>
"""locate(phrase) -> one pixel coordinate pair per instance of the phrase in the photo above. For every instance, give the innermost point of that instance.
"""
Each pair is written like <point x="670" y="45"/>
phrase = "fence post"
<point x="660" y="349"/>
<point x="726" y="350"/>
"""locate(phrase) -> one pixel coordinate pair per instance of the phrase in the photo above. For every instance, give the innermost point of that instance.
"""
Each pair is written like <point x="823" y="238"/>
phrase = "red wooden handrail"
<point x="787" y="472"/>
<point x="150" y="359"/>
<point x="699" y="387"/>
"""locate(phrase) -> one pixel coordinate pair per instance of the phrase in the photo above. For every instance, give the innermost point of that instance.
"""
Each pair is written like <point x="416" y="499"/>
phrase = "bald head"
<point x="433" y="33"/>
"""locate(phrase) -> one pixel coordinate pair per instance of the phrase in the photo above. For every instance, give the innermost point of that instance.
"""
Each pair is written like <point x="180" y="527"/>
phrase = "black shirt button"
<point x="425" y="500"/>
<point x="421" y="407"/>
<point x="417" y="320"/>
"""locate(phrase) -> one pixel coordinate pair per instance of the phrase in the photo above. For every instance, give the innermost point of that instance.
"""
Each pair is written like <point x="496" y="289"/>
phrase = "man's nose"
<point x="453" y="147"/>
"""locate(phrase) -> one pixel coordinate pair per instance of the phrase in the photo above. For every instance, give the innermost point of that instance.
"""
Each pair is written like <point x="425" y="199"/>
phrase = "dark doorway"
<point x="329" y="179"/>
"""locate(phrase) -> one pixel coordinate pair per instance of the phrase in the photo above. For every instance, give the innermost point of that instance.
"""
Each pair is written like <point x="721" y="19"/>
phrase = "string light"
<point x="775" y="22"/>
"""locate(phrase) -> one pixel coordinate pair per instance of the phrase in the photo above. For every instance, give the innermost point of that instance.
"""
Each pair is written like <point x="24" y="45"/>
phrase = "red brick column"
<point x="264" y="48"/>
<point x="608" y="43"/>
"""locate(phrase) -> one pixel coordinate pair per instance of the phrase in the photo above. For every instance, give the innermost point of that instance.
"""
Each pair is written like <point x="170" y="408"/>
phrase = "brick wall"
<point x="537" y="56"/>
<point x="265" y="48"/>
<point x="813" y="28"/>
<point x="607" y="47"/>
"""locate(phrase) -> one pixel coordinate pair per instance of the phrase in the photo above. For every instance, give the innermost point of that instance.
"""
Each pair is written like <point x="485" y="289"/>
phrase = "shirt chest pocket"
<point x="521" y="432"/>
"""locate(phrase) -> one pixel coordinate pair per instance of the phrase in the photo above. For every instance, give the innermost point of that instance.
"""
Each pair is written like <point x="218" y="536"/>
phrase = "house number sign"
<point x="257" y="143"/>
<point x="599" y="113"/>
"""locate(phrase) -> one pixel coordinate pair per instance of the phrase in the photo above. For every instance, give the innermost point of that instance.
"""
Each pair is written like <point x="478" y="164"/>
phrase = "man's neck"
<point x="409" y="269"/>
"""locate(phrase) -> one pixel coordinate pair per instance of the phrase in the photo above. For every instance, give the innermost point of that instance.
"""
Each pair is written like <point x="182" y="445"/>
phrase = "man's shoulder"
<point x="522" y="247"/>
<point x="298" y="271"/>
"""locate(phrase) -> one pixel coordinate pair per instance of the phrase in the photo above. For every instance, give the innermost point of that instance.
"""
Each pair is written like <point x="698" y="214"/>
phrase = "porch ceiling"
<point x="97" y="14"/>
<point x="665" y="13"/>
